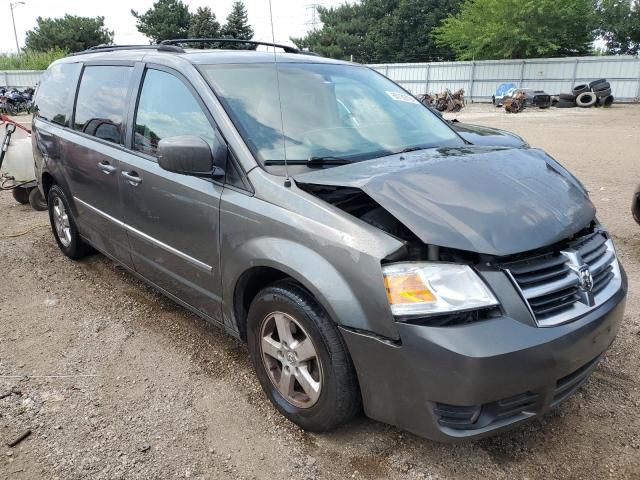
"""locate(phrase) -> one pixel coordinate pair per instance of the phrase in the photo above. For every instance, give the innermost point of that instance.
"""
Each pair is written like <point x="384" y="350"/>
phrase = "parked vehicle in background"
<point x="367" y="254"/>
<point x="525" y="97"/>
<point x="503" y="91"/>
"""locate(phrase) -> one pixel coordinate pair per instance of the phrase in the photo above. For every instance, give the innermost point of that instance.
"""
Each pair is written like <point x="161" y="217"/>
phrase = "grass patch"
<point x="30" y="60"/>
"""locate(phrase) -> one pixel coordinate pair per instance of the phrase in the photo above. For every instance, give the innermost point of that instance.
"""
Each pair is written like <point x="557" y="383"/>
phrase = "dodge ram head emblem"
<point x="586" y="280"/>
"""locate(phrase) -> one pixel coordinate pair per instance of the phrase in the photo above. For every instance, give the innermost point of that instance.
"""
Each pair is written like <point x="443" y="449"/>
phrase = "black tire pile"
<point x="594" y="94"/>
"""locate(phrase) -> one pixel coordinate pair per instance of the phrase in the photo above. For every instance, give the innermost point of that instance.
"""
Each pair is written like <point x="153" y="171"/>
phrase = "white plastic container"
<point x="18" y="160"/>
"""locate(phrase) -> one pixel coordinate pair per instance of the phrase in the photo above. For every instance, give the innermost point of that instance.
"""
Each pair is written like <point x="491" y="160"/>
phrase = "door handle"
<point x="133" y="178"/>
<point x="106" y="167"/>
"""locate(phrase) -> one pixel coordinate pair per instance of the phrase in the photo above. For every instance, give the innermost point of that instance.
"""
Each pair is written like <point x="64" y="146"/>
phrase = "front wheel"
<point x="300" y="358"/>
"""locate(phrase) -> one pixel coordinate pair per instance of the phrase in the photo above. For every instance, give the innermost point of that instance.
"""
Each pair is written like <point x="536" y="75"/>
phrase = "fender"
<point x="311" y="270"/>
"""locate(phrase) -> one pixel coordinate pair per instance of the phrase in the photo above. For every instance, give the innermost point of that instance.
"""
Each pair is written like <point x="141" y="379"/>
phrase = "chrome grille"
<point x="563" y="284"/>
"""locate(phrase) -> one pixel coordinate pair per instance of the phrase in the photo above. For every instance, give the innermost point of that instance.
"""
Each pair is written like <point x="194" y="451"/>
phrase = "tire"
<point x="568" y="97"/>
<point x="603" y="93"/>
<point x="36" y="200"/>
<point x="339" y="395"/>
<point x="586" y="100"/>
<point x="20" y="195"/>
<point x="605" y="101"/>
<point x="578" y="89"/>
<point x="597" y="82"/>
<point x="71" y="245"/>
<point x="600" y="86"/>
<point x="565" y="104"/>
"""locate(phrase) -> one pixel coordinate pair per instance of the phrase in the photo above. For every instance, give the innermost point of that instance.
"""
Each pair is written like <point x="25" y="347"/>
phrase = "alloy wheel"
<point x="290" y="359"/>
<point x="61" y="222"/>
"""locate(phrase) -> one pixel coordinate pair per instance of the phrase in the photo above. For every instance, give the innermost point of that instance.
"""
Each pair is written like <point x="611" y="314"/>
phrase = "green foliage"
<point x="237" y="25"/>
<point x="494" y="29"/>
<point x="204" y="24"/>
<point x="30" y="60"/>
<point x="167" y="19"/>
<point x="620" y="25"/>
<point x="69" y="33"/>
<point x="381" y="30"/>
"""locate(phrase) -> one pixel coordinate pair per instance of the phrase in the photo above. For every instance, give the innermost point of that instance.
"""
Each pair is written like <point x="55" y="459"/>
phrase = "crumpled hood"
<point x="496" y="201"/>
<point x="487" y="136"/>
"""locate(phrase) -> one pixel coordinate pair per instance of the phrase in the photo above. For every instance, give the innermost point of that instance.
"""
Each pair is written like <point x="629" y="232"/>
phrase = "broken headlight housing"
<point x="430" y="288"/>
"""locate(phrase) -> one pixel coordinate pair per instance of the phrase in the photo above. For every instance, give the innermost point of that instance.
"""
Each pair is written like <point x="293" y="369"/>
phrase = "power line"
<point x="314" y="21"/>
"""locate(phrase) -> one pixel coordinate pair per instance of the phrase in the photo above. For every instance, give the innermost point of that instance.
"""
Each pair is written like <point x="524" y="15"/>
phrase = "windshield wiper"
<point x="329" y="160"/>
<point x="410" y="149"/>
<point x="312" y="162"/>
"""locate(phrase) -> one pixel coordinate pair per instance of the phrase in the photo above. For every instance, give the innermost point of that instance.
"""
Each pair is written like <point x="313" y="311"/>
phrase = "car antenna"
<point x="287" y="180"/>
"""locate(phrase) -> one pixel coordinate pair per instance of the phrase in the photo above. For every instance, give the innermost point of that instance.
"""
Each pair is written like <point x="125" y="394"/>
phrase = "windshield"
<point x="333" y="112"/>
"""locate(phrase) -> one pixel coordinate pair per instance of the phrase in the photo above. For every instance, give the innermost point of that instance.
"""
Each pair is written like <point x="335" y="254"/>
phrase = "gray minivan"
<point x="369" y="255"/>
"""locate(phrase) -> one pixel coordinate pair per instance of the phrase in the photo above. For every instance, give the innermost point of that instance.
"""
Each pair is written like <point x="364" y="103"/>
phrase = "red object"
<point x="4" y="119"/>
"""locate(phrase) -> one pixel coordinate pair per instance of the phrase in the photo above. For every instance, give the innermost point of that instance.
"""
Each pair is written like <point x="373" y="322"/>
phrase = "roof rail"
<point x="286" y="48"/>
<point x="113" y="48"/>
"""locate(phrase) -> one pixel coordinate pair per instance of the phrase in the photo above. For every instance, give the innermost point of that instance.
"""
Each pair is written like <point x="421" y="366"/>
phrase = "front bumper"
<point x="453" y="383"/>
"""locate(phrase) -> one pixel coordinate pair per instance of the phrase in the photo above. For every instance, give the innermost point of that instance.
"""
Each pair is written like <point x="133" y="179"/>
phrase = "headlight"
<point x="434" y="288"/>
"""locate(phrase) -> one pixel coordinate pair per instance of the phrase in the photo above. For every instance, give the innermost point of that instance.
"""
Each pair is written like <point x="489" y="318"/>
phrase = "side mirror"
<point x="188" y="155"/>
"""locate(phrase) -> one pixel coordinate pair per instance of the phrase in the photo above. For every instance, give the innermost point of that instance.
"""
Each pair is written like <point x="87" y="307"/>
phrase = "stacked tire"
<point x="593" y="94"/>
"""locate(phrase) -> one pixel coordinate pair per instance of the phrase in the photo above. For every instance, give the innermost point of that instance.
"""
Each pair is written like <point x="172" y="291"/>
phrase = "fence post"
<point x="638" y="80"/>
<point x="426" y="77"/>
<point x="6" y="78"/>
<point x="575" y="72"/>
<point x="473" y="71"/>
<point x="521" y="74"/>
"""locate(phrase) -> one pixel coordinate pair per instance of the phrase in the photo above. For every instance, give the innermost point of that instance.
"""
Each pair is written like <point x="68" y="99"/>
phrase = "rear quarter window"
<point x="101" y="105"/>
<point x="54" y="99"/>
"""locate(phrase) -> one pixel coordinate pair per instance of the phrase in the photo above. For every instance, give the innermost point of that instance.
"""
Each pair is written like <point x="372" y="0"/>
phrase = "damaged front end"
<point x="470" y="209"/>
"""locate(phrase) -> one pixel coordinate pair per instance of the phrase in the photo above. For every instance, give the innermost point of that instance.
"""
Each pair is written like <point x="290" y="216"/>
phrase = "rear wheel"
<point x="36" y="200"/>
<point x="64" y="226"/>
<point x="300" y="358"/>
<point x="20" y="195"/>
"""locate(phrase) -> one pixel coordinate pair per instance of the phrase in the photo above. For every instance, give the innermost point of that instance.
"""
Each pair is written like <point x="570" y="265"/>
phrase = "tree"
<point x="237" y="25"/>
<point x="381" y="30"/>
<point x="69" y="33"/>
<point x="620" y="25"/>
<point x="204" y="24"/>
<point x="166" y="20"/>
<point x="494" y="29"/>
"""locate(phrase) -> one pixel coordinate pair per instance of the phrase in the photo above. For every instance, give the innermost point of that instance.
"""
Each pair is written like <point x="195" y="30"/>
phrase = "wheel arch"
<point x="273" y="259"/>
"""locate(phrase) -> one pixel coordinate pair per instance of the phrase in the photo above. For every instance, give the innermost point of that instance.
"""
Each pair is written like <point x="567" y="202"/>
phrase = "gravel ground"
<point x="115" y="381"/>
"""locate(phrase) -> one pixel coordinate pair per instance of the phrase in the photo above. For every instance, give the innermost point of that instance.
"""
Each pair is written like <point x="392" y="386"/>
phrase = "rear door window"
<point x="167" y="108"/>
<point x="54" y="98"/>
<point x="102" y="104"/>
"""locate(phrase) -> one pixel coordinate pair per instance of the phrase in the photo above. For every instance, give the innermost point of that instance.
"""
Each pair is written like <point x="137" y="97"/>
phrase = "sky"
<point x="291" y="18"/>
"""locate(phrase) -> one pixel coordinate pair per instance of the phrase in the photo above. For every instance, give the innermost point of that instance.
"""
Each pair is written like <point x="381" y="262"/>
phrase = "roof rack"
<point x="173" y="42"/>
<point x="113" y="48"/>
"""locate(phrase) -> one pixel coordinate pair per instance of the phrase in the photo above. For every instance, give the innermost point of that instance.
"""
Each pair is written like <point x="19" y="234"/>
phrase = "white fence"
<point x="20" y="78"/>
<point x="480" y="79"/>
<point x="553" y="75"/>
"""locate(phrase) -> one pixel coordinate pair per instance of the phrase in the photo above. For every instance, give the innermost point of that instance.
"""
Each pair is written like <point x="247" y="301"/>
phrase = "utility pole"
<point x="13" y="5"/>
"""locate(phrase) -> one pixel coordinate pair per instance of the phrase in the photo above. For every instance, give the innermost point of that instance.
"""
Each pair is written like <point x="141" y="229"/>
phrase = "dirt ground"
<point x="115" y="381"/>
